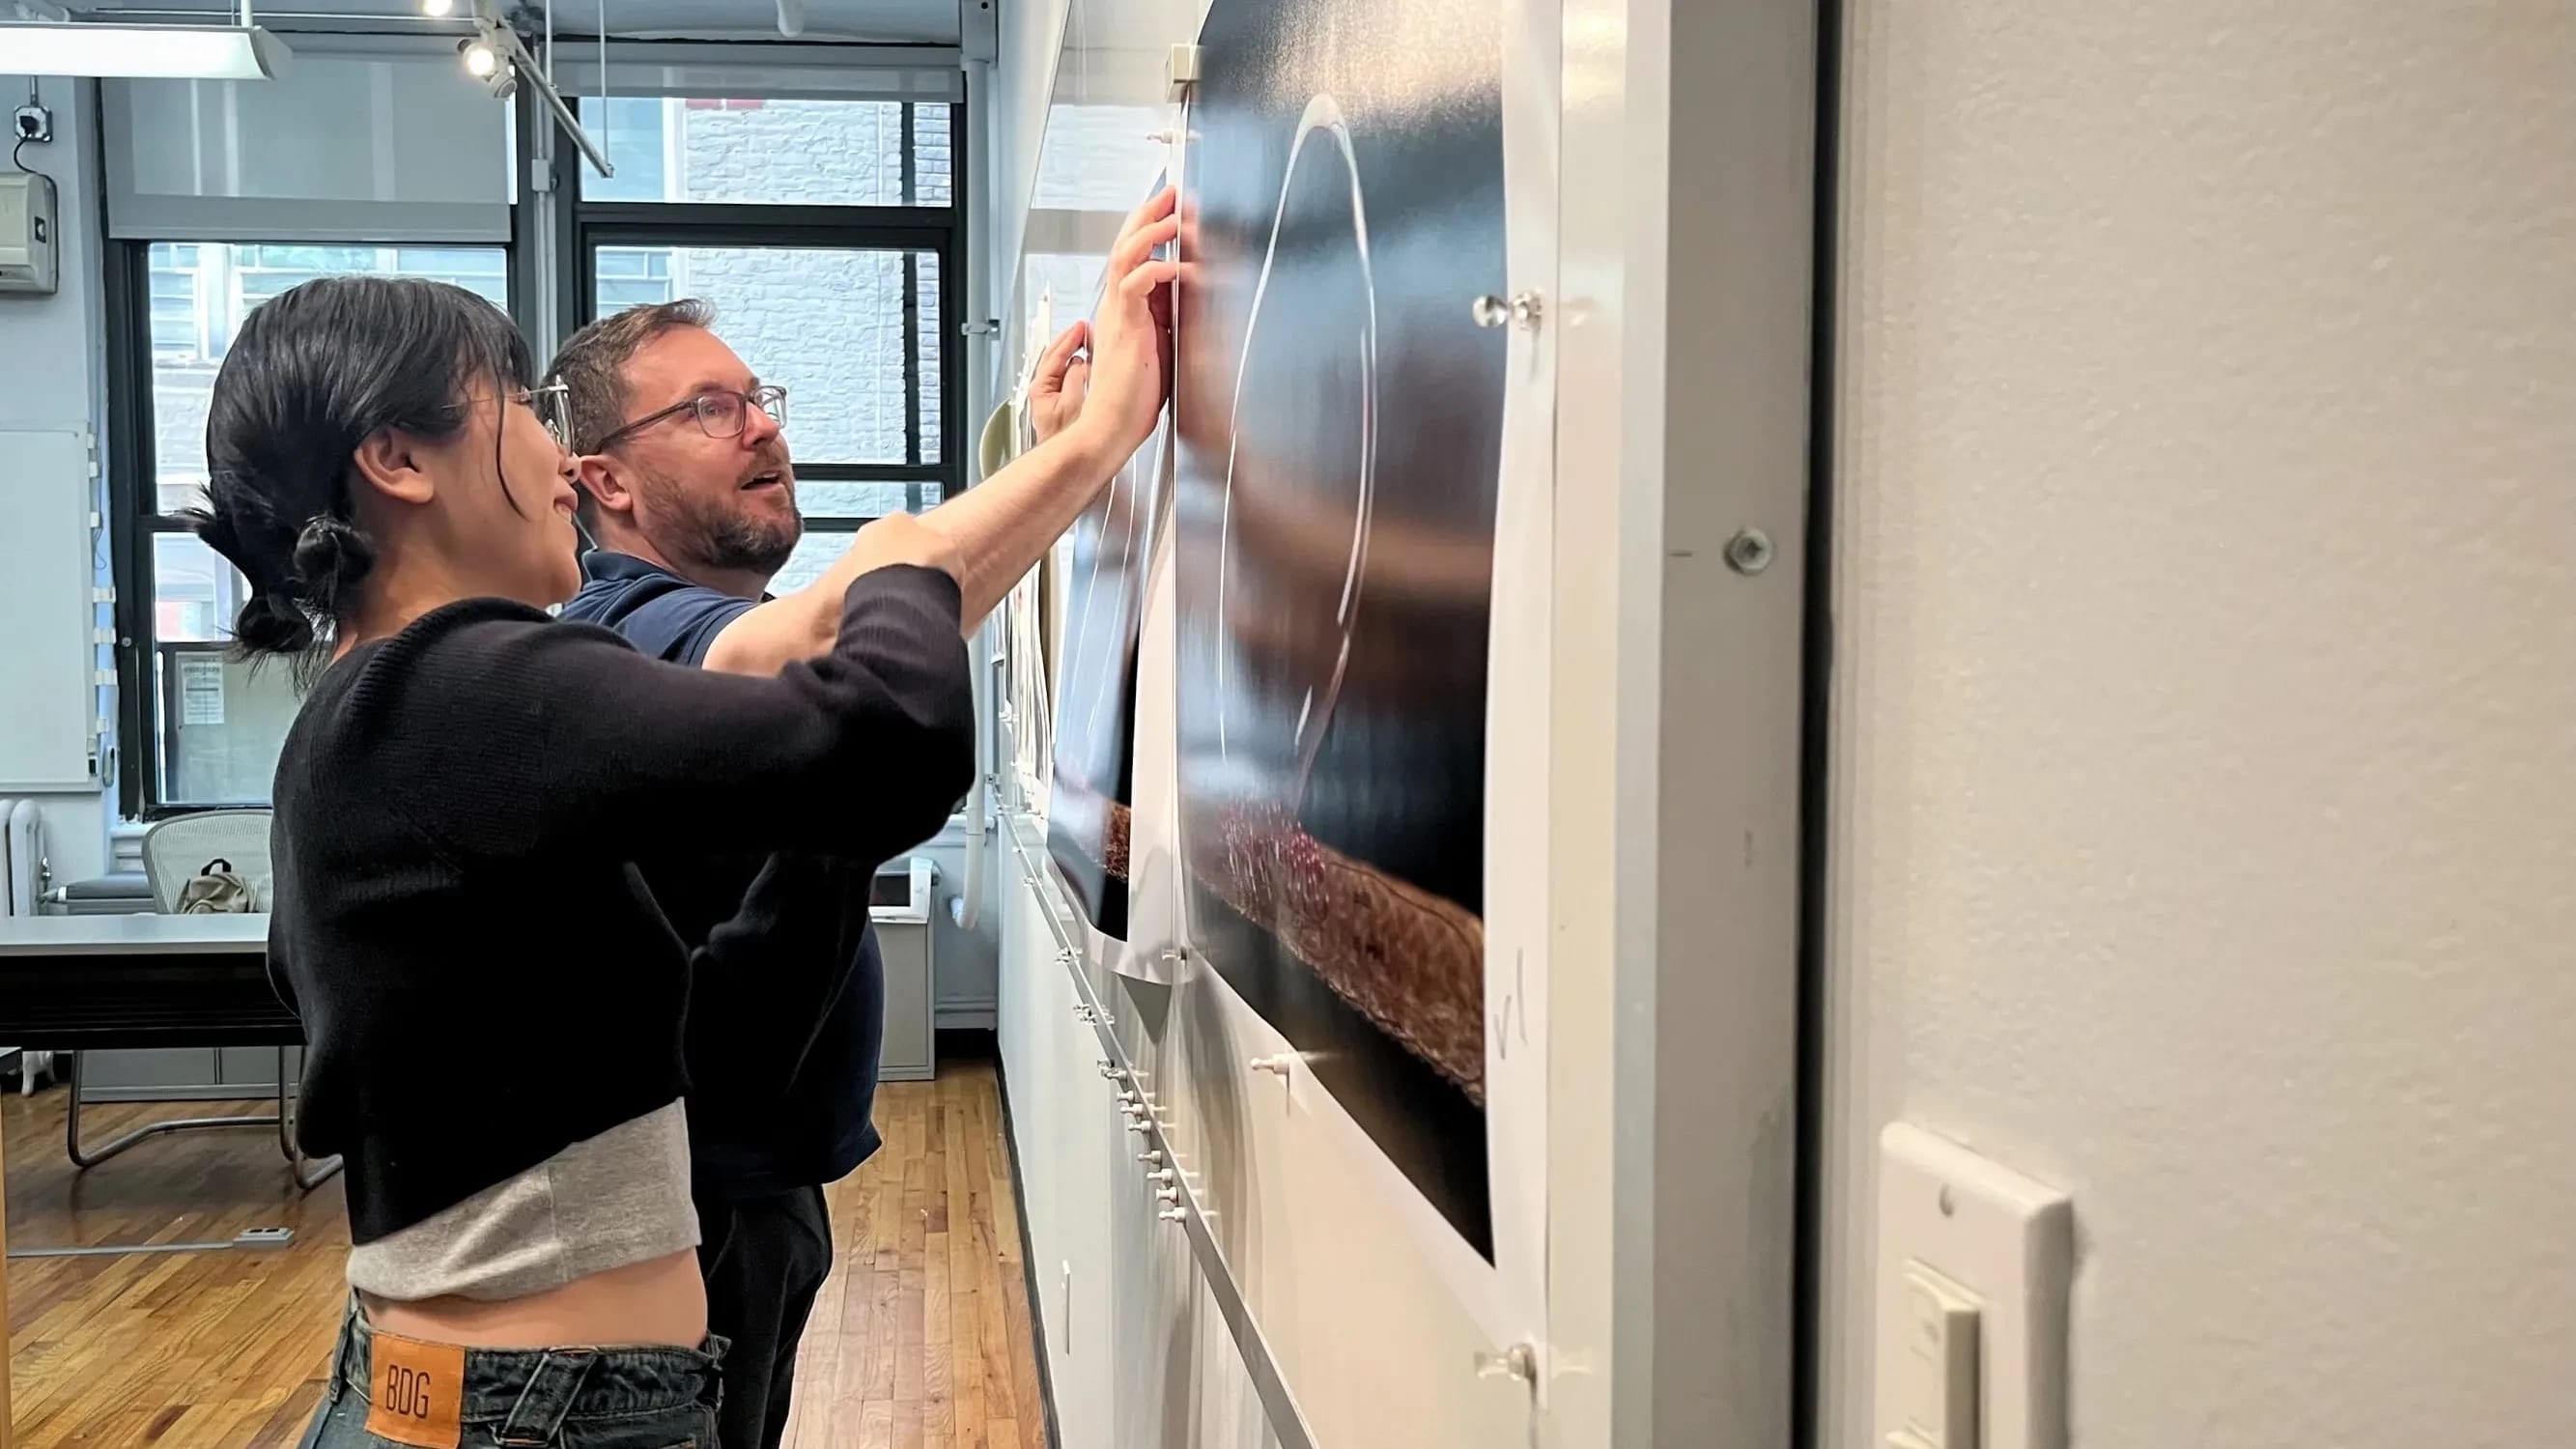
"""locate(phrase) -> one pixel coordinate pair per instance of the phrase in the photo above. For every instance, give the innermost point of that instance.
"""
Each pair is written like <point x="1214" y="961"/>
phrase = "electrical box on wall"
<point x="27" y="256"/>
<point x="979" y="29"/>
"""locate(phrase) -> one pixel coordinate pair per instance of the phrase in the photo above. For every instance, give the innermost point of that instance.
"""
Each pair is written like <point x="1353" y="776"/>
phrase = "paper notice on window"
<point x="201" y="691"/>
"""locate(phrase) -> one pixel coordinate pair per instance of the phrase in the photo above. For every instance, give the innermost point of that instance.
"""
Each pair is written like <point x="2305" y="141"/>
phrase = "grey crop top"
<point x="605" y="1202"/>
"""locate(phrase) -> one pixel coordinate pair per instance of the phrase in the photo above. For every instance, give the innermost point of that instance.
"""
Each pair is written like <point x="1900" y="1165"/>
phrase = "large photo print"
<point x="1090" y="814"/>
<point x="1339" y="421"/>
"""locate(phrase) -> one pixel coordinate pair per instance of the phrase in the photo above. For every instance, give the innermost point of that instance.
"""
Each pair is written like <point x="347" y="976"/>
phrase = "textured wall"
<point x="2206" y="731"/>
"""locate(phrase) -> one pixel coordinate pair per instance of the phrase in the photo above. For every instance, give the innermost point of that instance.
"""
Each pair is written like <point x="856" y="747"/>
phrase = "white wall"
<point x="53" y="377"/>
<point x="2205" y="763"/>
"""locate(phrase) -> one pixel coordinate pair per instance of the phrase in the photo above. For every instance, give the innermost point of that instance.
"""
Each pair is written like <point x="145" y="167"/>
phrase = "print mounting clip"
<point x="1180" y="72"/>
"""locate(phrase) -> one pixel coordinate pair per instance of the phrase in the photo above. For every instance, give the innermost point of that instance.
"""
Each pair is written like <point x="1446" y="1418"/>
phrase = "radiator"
<point x="23" y="879"/>
<point x="22" y="857"/>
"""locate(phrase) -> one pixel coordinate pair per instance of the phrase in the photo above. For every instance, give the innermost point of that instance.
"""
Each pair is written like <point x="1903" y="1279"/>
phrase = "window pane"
<point x="305" y="258"/>
<point x="176" y="336"/>
<point x="933" y="179"/>
<point x="632" y="277"/>
<point x="815" y="552"/>
<point x="632" y="130"/>
<point x="816" y="498"/>
<point x="195" y="594"/>
<point x="477" y="269"/>
<point x="829" y="326"/>
<point x="201" y="291"/>
<point x="927" y="330"/>
<point x="222" y="723"/>
<point x="768" y="152"/>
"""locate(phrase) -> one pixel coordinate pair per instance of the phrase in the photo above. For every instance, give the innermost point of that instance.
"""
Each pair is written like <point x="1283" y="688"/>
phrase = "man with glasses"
<point x="689" y="496"/>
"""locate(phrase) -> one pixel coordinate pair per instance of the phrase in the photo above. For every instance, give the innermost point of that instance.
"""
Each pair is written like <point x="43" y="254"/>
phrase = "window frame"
<point x="135" y="520"/>
<point x="910" y="229"/>
<point x="560" y="278"/>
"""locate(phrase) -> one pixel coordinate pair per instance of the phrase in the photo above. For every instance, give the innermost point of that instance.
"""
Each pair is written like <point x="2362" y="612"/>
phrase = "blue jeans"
<point x="560" y="1398"/>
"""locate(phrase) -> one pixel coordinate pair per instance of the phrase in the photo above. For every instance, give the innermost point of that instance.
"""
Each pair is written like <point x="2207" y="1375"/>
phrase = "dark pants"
<point x="477" y="1398"/>
<point x="764" y="1258"/>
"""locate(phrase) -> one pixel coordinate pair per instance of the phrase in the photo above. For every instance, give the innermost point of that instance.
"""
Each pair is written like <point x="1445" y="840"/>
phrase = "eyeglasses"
<point x="553" y="406"/>
<point x="722" y="413"/>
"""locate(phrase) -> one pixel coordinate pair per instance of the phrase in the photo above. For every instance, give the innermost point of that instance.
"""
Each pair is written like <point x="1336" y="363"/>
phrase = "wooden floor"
<point x="921" y="1339"/>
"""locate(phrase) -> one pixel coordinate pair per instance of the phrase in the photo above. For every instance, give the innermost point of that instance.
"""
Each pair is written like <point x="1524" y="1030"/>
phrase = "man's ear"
<point x="391" y="463"/>
<point x="600" y="476"/>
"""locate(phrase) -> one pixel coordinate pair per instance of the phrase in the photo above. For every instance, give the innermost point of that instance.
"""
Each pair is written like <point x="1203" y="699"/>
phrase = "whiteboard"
<point x="48" y="705"/>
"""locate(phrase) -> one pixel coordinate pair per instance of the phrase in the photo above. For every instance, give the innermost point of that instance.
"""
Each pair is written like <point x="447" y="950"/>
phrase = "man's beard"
<point x="709" y="535"/>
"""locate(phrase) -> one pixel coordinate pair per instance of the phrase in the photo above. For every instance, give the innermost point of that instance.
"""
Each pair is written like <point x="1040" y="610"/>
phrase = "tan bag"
<point x="215" y="890"/>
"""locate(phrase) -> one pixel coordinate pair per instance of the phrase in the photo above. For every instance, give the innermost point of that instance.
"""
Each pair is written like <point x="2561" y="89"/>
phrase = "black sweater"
<point x="482" y="976"/>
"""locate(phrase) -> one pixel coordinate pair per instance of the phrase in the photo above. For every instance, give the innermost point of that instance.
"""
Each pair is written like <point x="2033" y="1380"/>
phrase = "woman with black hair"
<point x="491" y="998"/>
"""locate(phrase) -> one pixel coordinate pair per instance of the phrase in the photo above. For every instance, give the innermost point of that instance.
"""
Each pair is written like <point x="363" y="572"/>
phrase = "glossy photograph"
<point x="1090" y="813"/>
<point x="1339" y="414"/>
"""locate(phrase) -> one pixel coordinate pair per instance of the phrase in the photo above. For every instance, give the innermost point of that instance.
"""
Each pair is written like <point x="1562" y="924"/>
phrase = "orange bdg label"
<point x="418" y="1396"/>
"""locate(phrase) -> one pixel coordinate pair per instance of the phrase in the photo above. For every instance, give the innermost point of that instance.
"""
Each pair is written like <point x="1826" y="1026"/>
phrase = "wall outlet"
<point x="33" y="124"/>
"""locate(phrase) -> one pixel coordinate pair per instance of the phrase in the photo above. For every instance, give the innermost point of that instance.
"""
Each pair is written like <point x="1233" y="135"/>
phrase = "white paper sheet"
<point x="201" y="691"/>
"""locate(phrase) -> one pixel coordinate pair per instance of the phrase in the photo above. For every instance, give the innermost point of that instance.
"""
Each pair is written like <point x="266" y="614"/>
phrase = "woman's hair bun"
<point x="272" y="624"/>
<point x="330" y="557"/>
<point x="301" y="581"/>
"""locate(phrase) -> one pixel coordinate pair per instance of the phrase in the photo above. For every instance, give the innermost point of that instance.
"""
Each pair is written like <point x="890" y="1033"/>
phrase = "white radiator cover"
<point x="22" y="856"/>
<point x="22" y="884"/>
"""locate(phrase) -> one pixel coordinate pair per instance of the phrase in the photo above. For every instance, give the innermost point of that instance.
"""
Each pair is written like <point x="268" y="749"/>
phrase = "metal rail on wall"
<point x="1180" y="1197"/>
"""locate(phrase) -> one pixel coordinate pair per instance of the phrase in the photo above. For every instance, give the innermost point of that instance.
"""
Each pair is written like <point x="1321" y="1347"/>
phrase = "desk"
<point x="91" y="983"/>
<point x="72" y="983"/>
<point x="136" y="933"/>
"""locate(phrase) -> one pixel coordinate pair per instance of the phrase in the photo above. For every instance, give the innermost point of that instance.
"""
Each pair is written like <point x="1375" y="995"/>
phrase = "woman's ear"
<point x="390" y="464"/>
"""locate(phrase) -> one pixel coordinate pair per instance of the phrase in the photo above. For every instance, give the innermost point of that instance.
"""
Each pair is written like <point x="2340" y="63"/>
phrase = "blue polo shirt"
<point x="786" y="991"/>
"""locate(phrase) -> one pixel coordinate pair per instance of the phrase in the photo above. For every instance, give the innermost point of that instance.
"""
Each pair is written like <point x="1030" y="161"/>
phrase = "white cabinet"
<point x="1067" y="1131"/>
<point x="1085" y="1354"/>
<point x="1138" y="1354"/>
<point x="909" y="1051"/>
<point x="1030" y="1035"/>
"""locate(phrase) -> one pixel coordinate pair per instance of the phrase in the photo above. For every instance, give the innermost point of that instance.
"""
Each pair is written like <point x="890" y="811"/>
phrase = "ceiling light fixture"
<point x="162" y="52"/>
<point x="438" y="9"/>
<point x="497" y="56"/>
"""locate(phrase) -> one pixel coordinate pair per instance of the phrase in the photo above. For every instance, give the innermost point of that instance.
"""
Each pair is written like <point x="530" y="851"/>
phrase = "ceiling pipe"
<point x="275" y="20"/>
